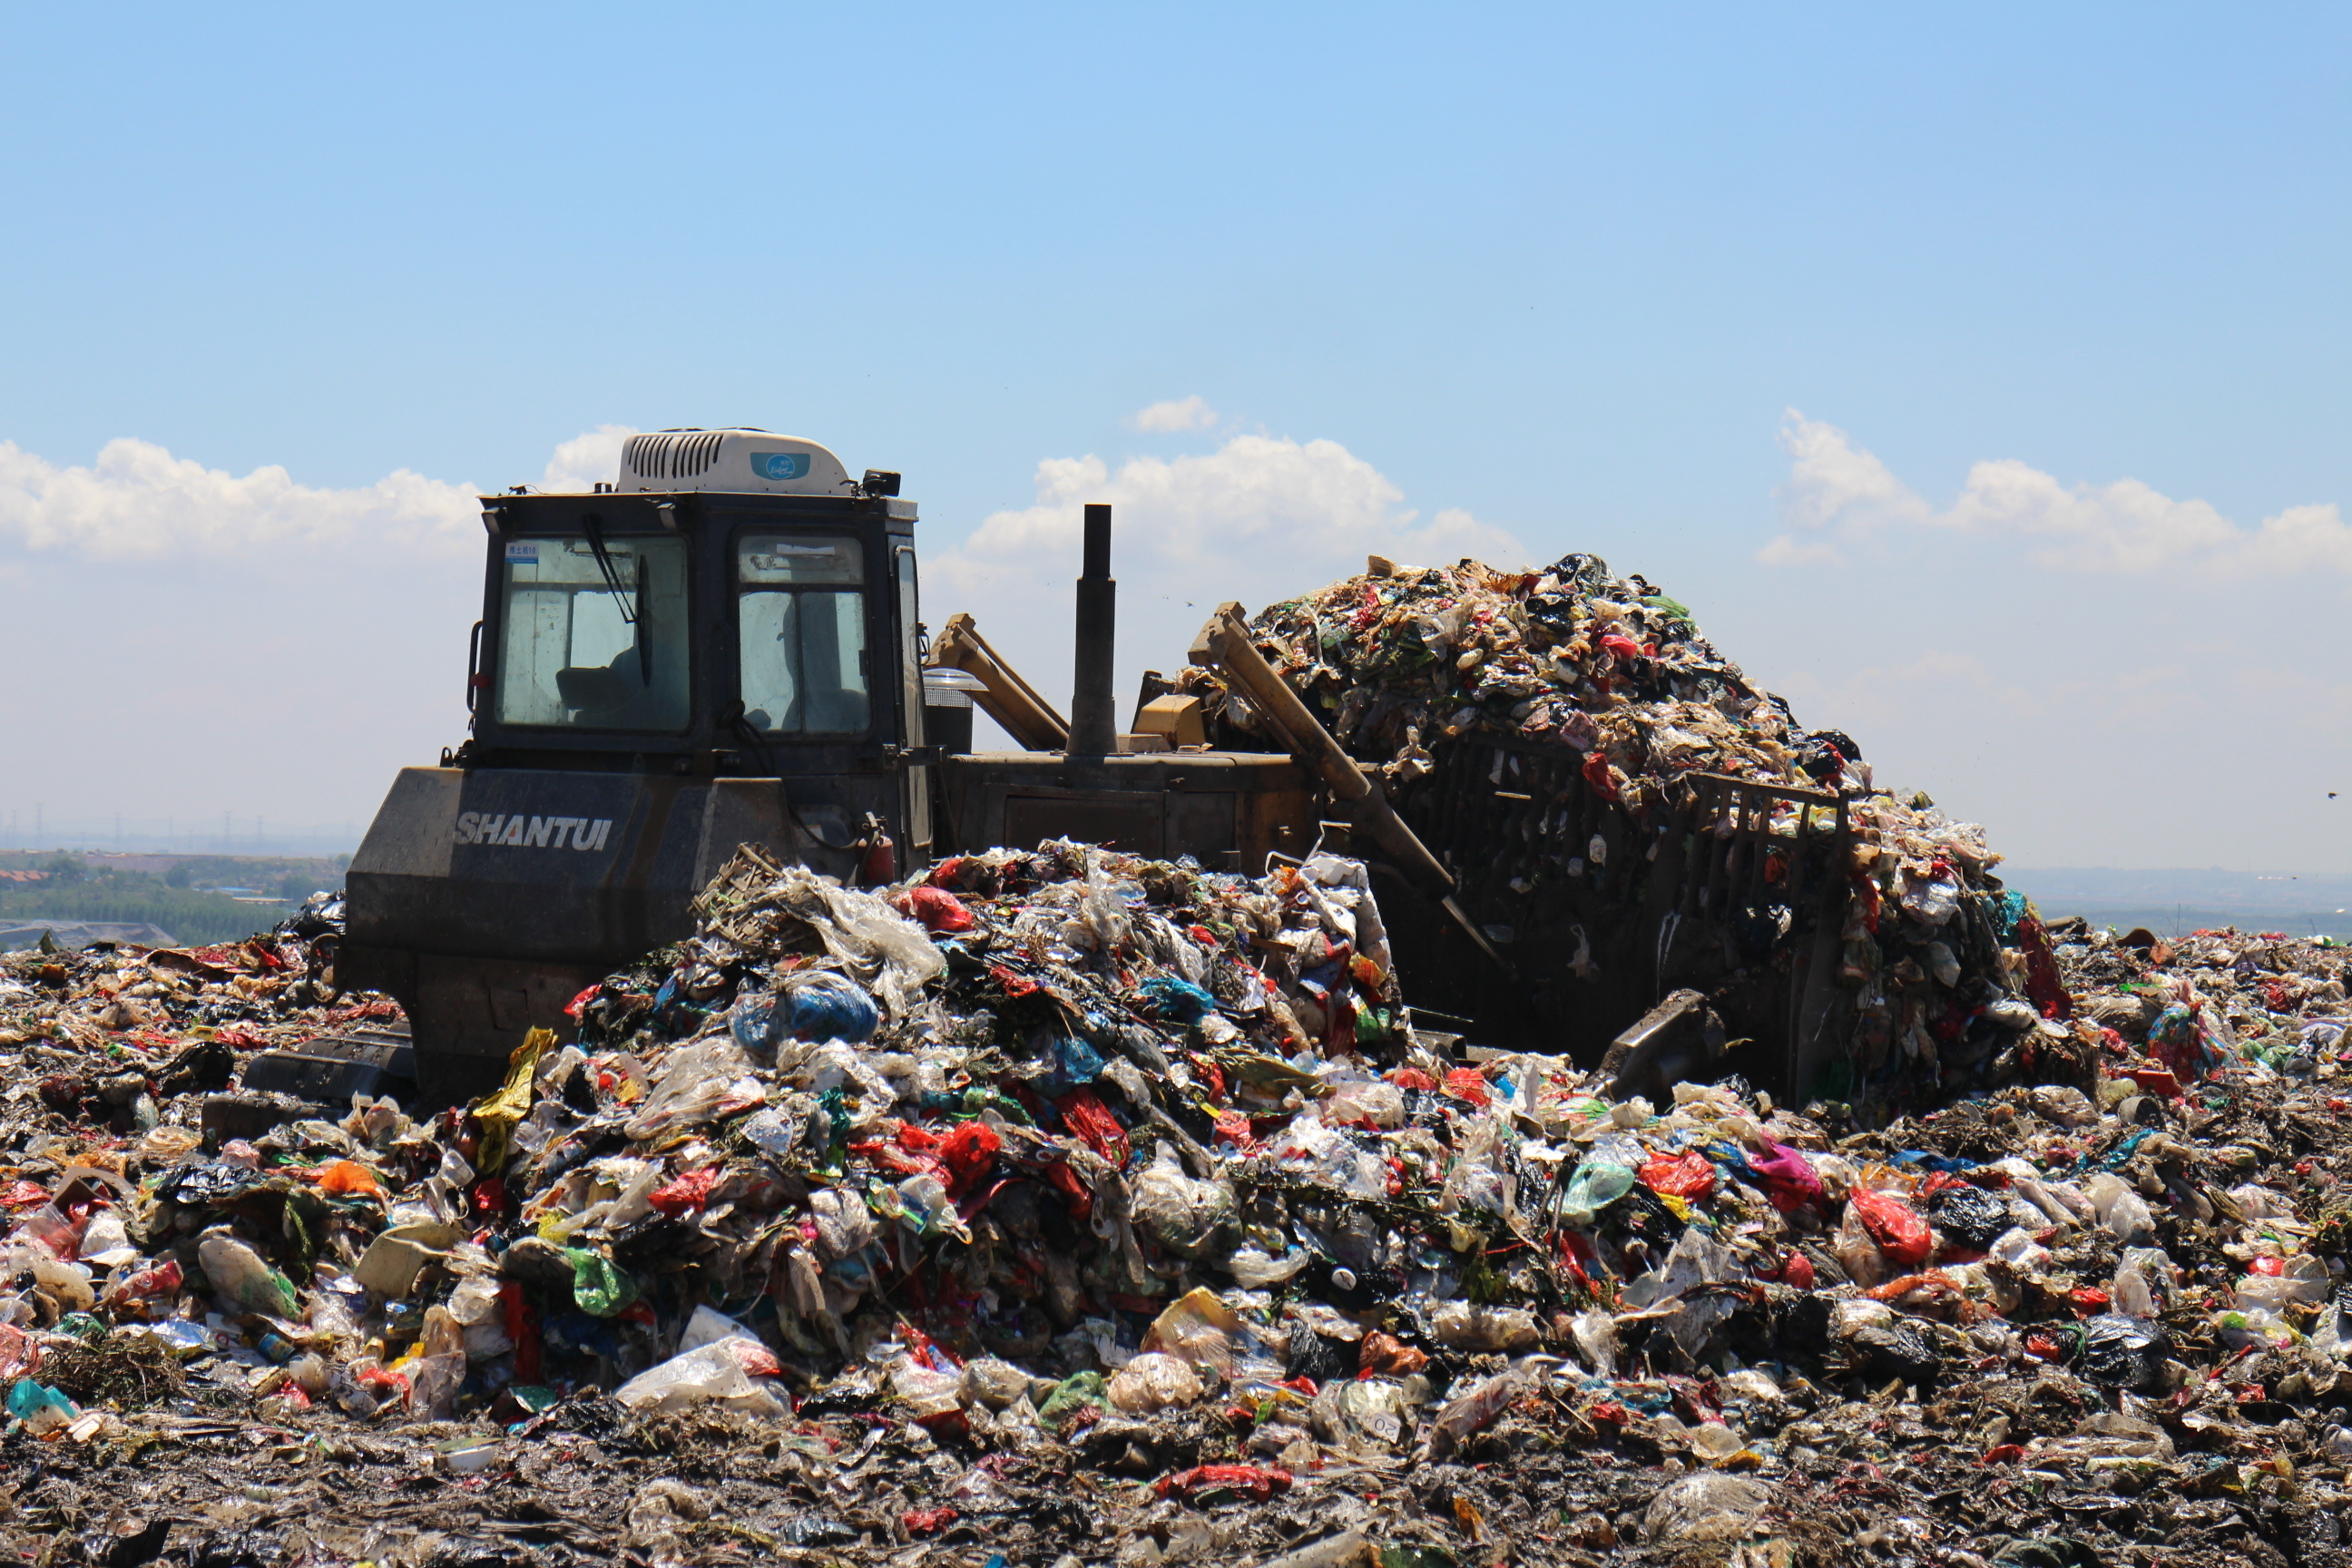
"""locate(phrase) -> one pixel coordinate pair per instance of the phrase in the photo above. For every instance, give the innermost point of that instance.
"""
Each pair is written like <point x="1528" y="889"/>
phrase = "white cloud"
<point x="1177" y="414"/>
<point x="1838" y="489"/>
<point x="1258" y="519"/>
<point x="581" y="462"/>
<point x="1832" y="483"/>
<point x="138" y="501"/>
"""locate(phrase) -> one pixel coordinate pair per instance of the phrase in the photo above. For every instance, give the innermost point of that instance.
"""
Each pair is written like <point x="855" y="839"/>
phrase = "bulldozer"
<point x="725" y="645"/>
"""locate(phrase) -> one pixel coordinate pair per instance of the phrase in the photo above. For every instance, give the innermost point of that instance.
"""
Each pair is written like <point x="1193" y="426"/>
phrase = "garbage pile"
<point x="1064" y="1206"/>
<point x="1565" y="737"/>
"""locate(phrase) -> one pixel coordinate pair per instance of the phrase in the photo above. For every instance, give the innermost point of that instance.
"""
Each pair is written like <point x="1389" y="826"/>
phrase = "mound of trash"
<point x="1064" y="1206"/>
<point x="1627" y="813"/>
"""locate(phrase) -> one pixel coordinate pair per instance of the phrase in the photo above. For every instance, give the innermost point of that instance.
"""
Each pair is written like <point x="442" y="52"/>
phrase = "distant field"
<point x="190" y="917"/>
<point x="184" y="895"/>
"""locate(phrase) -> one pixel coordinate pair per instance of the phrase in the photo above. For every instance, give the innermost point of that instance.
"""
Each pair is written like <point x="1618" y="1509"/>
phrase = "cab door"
<point x="911" y="700"/>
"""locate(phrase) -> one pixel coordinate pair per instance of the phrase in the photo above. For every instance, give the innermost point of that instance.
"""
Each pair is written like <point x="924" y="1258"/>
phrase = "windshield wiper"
<point x="633" y="609"/>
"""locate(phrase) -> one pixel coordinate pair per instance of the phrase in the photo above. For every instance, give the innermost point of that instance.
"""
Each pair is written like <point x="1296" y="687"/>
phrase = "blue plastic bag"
<point x="823" y="1005"/>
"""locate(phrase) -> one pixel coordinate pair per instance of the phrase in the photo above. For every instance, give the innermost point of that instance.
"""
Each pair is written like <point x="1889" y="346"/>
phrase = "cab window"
<point x="595" y="634"/>
<point x="801" y="619"/>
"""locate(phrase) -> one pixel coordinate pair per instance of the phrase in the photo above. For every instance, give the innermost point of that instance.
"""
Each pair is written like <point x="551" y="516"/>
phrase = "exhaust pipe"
<point x="1092" y="717"/>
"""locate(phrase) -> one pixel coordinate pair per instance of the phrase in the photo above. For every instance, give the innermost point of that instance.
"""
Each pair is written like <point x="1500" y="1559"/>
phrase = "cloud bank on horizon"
<point x="1842" y="503"/>
<point x="288" y="646"/>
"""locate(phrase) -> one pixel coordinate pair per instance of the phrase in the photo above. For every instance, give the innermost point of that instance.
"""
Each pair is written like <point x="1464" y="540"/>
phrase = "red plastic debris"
<point x="1897" y="1228"/>
<point x="1691" y="1176"/>
<point x="1085" y="1115"/>
<point x="1260" y="1483"/>
<point x="1598" y="774"/>
<point x="1234" y="1128"/>
<point x="1470" y="1085"/>
<point x="969" y="1152"/>
<point x="686" y="1193"/>
<point x="933" y="908"/>
<point x="926" y="1520"/>
<point x="2004" y="1453"/>
<point x="578" y="1005"/>
<point x="1014" y="984"/>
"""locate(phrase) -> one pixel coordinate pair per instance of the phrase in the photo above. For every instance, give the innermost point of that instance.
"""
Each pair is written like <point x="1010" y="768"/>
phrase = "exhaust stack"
<point x="1093" y="719"/>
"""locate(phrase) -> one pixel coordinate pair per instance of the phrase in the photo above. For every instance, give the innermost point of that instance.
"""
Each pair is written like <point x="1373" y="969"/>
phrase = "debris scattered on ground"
<point x="1061" y="1205"/>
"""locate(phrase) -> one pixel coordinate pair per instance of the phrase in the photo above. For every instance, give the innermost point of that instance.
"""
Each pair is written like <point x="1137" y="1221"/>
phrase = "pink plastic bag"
<point x="1787" y="1177"/>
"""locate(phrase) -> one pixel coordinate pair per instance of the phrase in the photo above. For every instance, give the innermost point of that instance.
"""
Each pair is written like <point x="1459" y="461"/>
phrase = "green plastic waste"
<point x="1079" y="1392"/>
<point x="598" y="1289"/>
<point x="1596" y="1184"/>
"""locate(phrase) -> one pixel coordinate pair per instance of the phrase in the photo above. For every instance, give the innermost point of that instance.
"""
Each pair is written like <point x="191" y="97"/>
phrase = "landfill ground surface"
<point x="2050" y="1324"/>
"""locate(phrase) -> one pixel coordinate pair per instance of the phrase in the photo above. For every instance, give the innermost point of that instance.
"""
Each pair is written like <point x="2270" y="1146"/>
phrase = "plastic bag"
<point x="433" y="1386"/>
<point x="1894" y="1225"/>
<point x="992" y="1382"/>
<point x="1706" y="1507"/>
<point x="1930" y="900"/>
<point x="2119" y="1352"/>
<point x="598" y="1288"/>
<point x="694" y="1079"/>
<point x="1857" y="1252"/>
<point x="1789" y="1178"/>
<point x="935" y="909"/>
<point x="1367" y="1417"/>
<point x="1183" y="1215"/>
<point x="1071" y="1398"/>
<point x="713" y="1372"/>
<point x="1254" y="1269"/>
<point x="1594" y="1331"/>
<point x="1593" y="1187"/>
<point x="1971" y="1216"/>
<point x="844" y="1225"/>
<point x="816" y="1005"/>
<point x="1691" y="1177"/>
<point x="2120" y="1208"/>
<point x="1469" y="1411"/>
<point x="1377" y="1101"/>
<point x="1152" y="1382"/>
<point x="1197" y="1329"/>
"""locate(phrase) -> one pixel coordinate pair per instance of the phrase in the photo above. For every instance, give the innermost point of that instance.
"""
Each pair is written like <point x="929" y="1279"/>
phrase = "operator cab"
<point x="734" y="604"/>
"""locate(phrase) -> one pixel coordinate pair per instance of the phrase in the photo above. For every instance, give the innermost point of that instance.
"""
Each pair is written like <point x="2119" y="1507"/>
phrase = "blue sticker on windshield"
<point x="781" y="464"/>
<point x="527" y="554"/>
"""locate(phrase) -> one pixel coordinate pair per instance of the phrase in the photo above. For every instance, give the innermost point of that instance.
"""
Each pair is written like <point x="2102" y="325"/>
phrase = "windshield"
<point x="801" y="622"/>
<point x="595" y="634"/>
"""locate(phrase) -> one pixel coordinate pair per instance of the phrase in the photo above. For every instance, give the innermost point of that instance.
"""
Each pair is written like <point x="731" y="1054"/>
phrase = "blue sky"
<point x="1562" y="272"/>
